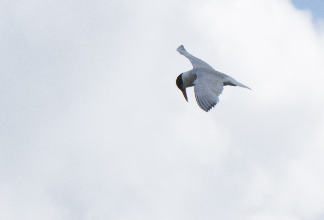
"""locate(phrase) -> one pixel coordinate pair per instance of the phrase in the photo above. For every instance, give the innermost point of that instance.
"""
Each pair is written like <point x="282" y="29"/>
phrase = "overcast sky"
<point x="93" y="126"/>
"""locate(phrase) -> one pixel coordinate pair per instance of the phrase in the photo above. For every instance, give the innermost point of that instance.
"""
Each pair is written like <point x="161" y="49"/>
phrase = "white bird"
<point x="208" y="83"/>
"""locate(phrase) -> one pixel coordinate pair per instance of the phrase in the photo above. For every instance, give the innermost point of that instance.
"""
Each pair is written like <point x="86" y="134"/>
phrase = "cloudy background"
<point x="93" y="126"/>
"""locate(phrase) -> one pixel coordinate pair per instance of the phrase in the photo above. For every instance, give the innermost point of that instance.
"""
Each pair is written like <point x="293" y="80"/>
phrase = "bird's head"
<point x="181" y="86"/>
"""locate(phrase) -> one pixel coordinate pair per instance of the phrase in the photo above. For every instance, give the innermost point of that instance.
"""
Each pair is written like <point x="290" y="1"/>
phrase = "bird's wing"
<point x="196" y="62"/>
<point x="207" y="89"/>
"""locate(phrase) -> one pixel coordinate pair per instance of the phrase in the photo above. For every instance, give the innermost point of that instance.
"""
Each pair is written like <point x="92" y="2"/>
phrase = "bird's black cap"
<point x="179" y="82"/>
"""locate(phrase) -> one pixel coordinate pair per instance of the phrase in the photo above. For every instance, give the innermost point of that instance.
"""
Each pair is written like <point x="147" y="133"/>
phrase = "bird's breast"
<point x="189" y="78"/>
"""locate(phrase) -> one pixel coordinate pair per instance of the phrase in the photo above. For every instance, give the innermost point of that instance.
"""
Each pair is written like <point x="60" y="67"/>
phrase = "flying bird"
<point x="208" y="83"/>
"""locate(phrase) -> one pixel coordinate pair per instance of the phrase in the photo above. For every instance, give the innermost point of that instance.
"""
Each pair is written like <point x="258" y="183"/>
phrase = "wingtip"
<point x="243" y="86"/>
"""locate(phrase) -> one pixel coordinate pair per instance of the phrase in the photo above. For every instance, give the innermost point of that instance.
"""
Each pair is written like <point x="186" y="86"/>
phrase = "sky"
<point x="315" y="7"/>
<point x="94" y="127"/>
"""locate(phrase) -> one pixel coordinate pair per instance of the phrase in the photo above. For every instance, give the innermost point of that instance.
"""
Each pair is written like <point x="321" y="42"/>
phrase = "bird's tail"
<point x="181" y="47"/>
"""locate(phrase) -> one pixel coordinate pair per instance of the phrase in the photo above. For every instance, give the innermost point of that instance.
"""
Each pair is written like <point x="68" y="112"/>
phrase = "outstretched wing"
<point x="196" y="62"/>
<point x="207" y="91"/>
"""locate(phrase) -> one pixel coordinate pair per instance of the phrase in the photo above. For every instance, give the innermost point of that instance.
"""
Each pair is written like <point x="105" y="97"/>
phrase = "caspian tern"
<point x="208" y="83"/>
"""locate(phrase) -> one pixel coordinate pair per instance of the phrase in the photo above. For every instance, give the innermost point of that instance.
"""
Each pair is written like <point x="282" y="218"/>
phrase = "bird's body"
<point x="208" y="83"/>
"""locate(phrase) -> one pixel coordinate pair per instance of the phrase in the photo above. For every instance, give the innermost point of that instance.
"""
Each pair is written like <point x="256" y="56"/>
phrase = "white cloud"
<point x="95" y="128"/>
<point x="277" y="49"/>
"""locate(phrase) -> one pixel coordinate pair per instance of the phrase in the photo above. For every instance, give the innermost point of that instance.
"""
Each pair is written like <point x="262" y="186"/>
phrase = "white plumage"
<point x="208" y="83"/>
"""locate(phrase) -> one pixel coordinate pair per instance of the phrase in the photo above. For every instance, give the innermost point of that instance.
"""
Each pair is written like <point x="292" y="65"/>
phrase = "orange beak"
<point x="185" y="94"/>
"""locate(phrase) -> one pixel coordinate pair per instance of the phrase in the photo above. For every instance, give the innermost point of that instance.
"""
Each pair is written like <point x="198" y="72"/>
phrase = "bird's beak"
<point x="185" y="94"/>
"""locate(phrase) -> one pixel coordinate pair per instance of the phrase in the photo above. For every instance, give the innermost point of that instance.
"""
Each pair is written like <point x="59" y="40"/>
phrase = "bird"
<point x="208" y="83"/>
